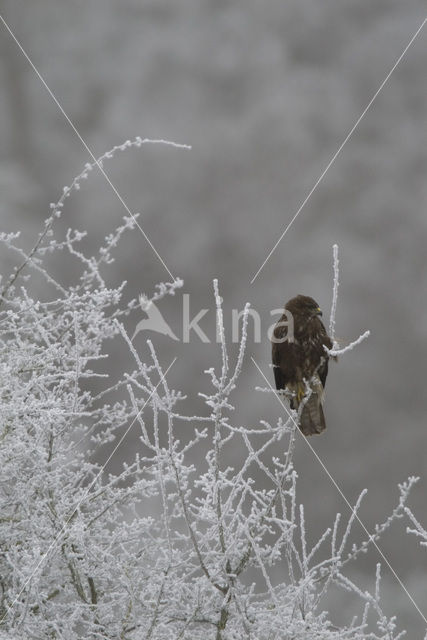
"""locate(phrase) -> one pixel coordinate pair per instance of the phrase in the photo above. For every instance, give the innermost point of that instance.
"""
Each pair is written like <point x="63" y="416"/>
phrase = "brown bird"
<point x="300" y="362"/>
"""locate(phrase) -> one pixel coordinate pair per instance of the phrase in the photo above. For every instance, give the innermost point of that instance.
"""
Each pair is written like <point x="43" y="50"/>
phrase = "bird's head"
<point x="303" y="306"/>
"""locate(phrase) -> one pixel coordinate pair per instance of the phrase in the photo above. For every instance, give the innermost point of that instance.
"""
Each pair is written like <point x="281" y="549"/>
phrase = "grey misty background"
<point x="265" y="92"/>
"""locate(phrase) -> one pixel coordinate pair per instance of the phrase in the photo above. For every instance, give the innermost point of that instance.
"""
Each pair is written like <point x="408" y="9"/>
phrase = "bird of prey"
<point x="300" y="362"/>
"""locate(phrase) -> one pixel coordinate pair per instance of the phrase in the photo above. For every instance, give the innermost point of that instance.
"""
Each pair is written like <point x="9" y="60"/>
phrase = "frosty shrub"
<point x="177" y="544"/>
<point x="418" y="529"/>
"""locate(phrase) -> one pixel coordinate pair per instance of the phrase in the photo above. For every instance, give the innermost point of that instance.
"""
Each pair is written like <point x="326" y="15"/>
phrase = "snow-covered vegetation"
<point x="179" y="543"/>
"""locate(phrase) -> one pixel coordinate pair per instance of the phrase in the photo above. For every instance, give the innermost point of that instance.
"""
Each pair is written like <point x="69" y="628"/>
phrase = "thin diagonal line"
<point x="43" y="558"/>
<point x="340" y="148"/>
<point x="90" y="152"/>
<point x="342" y="494"/>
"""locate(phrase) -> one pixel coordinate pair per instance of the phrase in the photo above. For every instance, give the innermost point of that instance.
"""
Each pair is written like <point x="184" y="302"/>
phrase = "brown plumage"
<point x="300" y="357"/>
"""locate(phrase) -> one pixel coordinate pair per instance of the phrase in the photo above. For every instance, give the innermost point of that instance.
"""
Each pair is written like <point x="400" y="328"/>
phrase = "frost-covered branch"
<point x="349" y="347"/>
<point x="418" y="529"/>
<point x="334" y="293"/>
<point x="336" y="351"/>
<point x="199" y="535"/>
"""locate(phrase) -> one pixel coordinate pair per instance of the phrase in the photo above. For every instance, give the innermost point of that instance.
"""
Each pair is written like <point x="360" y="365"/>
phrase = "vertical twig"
<point x="334" y="294"/>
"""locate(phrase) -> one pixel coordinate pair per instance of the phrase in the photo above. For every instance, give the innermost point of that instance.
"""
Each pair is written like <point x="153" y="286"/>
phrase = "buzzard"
<point x="300" y="362"/>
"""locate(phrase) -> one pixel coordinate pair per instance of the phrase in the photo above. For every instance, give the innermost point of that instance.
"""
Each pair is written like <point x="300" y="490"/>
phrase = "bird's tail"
<point x="312" y="418"/>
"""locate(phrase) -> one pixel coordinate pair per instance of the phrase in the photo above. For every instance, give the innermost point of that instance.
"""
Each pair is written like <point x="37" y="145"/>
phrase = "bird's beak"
<point x="318" y="311"/>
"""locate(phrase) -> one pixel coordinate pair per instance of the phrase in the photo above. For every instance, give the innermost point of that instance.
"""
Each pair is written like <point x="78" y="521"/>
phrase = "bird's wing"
<point x="279" y="378"/>
<point x="283" y="357"/>
<point x="323" y="371"/>
<point x="312" y="417"/>
<point x="325" y="341"/>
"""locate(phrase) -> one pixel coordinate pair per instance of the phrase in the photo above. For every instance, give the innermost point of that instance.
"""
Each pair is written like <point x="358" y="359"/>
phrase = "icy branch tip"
<point x="349" y="347"/>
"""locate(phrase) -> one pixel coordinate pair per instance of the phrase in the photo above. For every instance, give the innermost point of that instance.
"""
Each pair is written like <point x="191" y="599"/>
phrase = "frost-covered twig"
<point x="57" y="207"/>
<point x="336" y="351"/>
<point x="349" y="347"/>
<point x="419" y="530"/>
<point x="334" y="294"/>
<point x="199" y="535"/>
